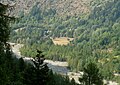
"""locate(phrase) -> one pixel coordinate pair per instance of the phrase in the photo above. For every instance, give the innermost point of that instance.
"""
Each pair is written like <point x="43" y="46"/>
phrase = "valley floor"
<point x="56" y="66"/>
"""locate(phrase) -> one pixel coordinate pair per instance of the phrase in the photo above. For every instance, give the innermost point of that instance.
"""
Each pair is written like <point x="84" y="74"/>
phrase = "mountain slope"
<point x="62" y="7"/>
<point x="96" y="34"/>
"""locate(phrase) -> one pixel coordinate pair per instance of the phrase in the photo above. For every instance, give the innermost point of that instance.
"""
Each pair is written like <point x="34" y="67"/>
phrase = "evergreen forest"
<point x="93" y="44"/>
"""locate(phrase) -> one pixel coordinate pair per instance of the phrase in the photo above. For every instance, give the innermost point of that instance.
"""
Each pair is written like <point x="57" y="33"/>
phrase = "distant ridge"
<point x="62" y="7"/>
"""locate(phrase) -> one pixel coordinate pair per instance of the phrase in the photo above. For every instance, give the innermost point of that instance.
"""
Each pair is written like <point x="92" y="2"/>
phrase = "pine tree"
<point x="91" y="75"/>
<point x="5" y="51"/>
<point x="37" y="73"/>
<point x="4" y="23"/>
<point x="41" y="69"/>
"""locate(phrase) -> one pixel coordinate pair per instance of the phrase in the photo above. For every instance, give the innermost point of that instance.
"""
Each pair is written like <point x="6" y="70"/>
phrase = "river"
<point x="56" y="66"/>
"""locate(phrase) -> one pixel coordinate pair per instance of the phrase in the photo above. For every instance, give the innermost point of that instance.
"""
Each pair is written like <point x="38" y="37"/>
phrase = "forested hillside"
<point x="62" y="7"/>
<point x="95" y="33"/>
<point x="13" y="70"/>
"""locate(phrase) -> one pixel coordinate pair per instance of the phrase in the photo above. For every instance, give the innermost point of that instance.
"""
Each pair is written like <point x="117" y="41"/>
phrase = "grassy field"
<point x="62" y="40"/>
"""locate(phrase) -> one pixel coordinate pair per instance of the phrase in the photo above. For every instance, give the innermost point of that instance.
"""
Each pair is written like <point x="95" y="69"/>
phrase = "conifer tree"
<point x="4" y="23"/>
<point x="37" y="73"/>
<point x="41" y="69"/>
<point x="91" y="75"/>
<point x="6" y="64"/>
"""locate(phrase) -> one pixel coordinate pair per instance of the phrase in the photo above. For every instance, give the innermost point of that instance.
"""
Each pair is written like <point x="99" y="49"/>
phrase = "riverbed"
<point x="56" y="66"/>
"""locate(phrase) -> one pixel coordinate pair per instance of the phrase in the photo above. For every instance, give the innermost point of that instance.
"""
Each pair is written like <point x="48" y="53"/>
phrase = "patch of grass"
<point x="62" y="40"/>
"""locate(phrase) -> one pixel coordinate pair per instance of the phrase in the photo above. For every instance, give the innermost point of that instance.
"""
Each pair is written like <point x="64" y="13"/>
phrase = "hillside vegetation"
<point x="96" y="33"/>
<point x="14" y="70"/>
<point x="62" y="7"/>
